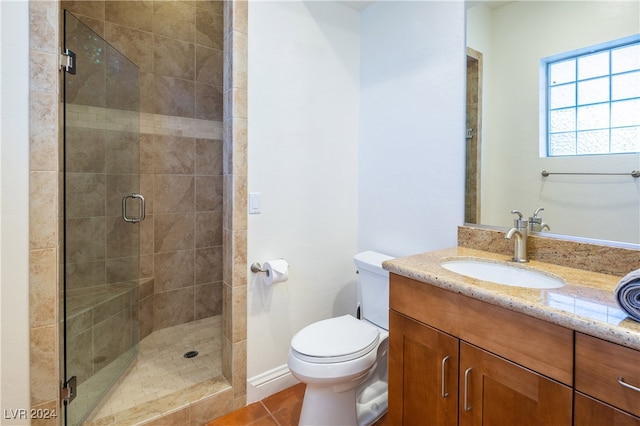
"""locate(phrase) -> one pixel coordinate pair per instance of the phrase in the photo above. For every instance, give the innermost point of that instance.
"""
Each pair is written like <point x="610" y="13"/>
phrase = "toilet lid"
<point x="335" y="340"/>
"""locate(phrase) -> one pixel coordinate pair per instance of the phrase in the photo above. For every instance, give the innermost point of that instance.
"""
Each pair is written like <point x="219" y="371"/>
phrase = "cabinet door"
<point x="496" y="392"/>
<point x="591" y="412"/>
<point x="423" y="374"/>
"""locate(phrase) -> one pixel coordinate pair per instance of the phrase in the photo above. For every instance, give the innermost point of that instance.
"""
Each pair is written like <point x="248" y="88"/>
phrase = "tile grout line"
<point x="270" y="413"/>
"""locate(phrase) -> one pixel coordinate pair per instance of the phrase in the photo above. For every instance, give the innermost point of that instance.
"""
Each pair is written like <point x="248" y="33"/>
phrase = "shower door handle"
<point x="124" y="208"/>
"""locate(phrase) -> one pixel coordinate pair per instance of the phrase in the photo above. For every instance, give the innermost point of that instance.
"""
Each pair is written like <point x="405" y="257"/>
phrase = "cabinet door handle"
<point x="627" y="385"/>
<point x="443" y="391"/>
<point x="467" y="407"/>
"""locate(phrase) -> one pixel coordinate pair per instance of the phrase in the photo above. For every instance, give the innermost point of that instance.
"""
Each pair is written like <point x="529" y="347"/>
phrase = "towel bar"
<point x="634" y="173"/>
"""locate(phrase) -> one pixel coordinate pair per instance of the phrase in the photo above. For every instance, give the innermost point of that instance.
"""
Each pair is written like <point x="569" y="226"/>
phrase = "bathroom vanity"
<point x="468" y="352"/>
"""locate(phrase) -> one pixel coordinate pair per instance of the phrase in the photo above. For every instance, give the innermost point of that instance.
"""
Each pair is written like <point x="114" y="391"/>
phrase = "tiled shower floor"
<point x="161" y="368"/>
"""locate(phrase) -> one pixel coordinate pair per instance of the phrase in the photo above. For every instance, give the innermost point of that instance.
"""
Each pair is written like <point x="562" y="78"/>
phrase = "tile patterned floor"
<point x="280" y="409"/>
<point x="162" y="369"/>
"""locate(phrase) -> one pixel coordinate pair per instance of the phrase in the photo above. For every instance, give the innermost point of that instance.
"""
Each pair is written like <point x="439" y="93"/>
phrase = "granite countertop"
<point x="586" y="303"/>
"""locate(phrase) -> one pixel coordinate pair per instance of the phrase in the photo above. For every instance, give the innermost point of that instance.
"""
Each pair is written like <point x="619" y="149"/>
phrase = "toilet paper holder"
<point x="276" y="271"/>
<point x="257" y="267"/>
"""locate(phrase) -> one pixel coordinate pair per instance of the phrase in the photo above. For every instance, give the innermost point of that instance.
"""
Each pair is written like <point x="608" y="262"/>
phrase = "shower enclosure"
<point x="174" y="281"/>
<point x="102" y="214"/>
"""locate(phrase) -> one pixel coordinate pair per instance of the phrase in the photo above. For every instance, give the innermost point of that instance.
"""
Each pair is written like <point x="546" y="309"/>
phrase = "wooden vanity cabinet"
<point x="436" y="379"/>
<point x="606" y="375"/>
<point x="510" y="369"/>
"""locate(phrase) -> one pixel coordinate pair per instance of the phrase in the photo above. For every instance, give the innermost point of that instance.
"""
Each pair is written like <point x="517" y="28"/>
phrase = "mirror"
<point x="506" y="41"/>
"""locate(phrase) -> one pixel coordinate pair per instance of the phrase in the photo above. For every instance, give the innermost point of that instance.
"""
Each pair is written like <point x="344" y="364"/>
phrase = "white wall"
<point x="411" y="156"/>
<point x="324" y="84"/>
<point x="303" y="132"/>
<point x="590" y="206"/>
<point x="14" y="207"/>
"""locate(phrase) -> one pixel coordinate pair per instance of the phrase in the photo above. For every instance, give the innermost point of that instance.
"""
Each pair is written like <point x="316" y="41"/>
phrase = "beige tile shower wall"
<point x="43" y="209"/>
<point x="101" y="153"/>
<point x="234" y="342"/>
<point x="178" y="47"/>
<point x="182" y="235"/>
<point x="91" y="117"/>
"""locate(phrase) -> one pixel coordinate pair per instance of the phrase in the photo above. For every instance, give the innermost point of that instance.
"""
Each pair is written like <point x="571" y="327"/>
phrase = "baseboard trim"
<point x="273" y="381"/>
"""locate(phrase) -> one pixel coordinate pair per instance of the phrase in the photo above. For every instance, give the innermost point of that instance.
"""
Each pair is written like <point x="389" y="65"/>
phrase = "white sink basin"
<point x="502" y="273"/>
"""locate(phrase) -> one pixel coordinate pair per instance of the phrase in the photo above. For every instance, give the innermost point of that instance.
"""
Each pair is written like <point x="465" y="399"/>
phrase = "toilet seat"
<point x="335" y="340"/>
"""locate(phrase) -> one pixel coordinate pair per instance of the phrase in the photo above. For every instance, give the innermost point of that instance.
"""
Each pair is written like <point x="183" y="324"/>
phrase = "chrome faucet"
<point x="520" y="232"/>
<point x="536" y="224"/>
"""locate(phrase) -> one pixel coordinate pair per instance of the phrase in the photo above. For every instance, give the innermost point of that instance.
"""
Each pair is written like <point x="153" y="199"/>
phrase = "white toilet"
<point x="343" y="360"/>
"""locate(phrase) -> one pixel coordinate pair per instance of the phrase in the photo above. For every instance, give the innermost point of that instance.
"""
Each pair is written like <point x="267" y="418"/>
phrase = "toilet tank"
<point x="373" y="287"/>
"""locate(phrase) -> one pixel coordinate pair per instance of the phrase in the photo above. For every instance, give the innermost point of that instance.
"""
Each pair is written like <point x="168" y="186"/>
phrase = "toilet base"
<point x="322" y="406"/>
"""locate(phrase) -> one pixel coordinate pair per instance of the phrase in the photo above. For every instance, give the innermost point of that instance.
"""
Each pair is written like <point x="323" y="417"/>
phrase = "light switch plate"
<point x="255" y="202"/>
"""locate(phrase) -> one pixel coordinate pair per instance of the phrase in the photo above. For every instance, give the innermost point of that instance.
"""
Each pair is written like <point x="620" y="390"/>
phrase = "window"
<point x="593" y="100"/>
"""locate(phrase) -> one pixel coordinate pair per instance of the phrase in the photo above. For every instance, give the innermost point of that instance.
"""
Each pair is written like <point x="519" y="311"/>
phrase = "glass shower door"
<point x="102" y="211"/>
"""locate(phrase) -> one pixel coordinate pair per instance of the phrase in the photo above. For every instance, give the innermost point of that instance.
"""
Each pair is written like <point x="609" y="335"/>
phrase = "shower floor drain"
<point x="191" y="354"/>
